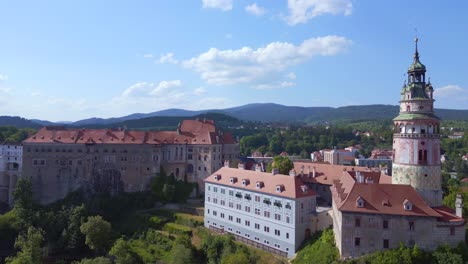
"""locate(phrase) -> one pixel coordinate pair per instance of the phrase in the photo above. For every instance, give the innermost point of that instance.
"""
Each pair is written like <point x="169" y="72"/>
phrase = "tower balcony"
<point x="415" y="135"/>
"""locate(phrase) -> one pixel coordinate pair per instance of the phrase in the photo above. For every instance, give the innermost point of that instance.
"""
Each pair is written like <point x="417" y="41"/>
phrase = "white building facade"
<point x="11" y="163"/>
<point x="271" y="212"/>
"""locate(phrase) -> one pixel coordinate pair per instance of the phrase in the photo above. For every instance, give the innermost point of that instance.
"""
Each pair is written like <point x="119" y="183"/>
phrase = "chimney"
<point x="314" y="173"/>
<point x="226" y="164"/>
<point x="359" y="177"/>
<point x="258" y="167"/>
<point x="241" y="166"/>
<point x="274" y="171"/>
<point x="178" y="131"/>
<point x="459" y="205"/>
<point x="292" y="173"/>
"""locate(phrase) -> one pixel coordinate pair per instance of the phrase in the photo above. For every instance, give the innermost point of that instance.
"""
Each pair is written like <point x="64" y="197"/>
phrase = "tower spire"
<point x="416" y="53"/>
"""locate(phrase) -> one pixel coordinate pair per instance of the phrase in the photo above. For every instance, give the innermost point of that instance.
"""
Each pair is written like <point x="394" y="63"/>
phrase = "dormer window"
<point x="407" y="205"/>
<point x="279" y="188"/>
<point x="259" y="185"/>
<point x="304" y="188"/>
<point x="245" y="182"/>
<point x="233" y="180"/>
<point x="217" y="177"/>
<point x="360" y="202"/>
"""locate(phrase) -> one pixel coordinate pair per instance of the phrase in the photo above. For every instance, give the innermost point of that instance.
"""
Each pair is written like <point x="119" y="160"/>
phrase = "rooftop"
<point x="289" y="186"/>
<point x="190" y="132"/>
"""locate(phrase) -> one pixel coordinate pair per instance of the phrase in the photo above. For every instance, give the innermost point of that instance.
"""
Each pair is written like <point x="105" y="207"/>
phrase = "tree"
<point x="97" y="232"/>
<point x="123" y="253"/>
<point x="181" y="254"/>
<point x="168" y="192"/>
<point x="283" y="164"/>
<point x="74" y="236"/>
<point x="98" y="260"/>
<point x="29" y="245"/>
<point x="23" y="205"/>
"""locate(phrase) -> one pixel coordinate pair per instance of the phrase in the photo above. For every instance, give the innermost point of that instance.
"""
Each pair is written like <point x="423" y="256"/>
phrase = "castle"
<point x="369" y="211"/>
<point x="60" y="160"/>
<point x="368" y="216"/>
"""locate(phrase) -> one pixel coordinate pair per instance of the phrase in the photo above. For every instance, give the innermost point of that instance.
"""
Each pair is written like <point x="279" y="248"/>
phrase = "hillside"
<point x="265" y="112"/>
<point x="166" y="122"/>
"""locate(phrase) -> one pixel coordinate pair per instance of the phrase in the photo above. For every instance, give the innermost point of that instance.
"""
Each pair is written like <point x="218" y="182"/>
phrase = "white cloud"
<point x="164" y="86"/>
<point x="199" y="91"/>
<point x="168" y="58"/>
<point x="224" y="5"/>
<point x="254" y="9"/>
<point x="144" y="89"/>
<point x="301" y="11"/>
<point x="291" y="76"/>
<point x="260" y="67"/>
<point x="148" y="56"/>
<point x="283" y="84"/>
<point x="3" y="77"/>
<point x="6" y="90"/>
<point x="449" y="90"/>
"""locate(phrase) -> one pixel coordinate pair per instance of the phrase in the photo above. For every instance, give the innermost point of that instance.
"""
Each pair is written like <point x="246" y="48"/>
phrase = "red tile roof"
<point x="292" y="186"/>
<point x="448" y="215"/>
<point x="190" y="132"/>
<point x="378" y="198"/>
<point x="325" y="173"/>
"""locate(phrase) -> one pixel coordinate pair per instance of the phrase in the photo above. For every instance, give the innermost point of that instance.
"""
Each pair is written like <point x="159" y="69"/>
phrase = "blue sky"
<point x="69" y="60"/>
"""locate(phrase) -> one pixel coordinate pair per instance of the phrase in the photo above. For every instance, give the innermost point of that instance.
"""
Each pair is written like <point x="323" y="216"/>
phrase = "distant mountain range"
<point x="267" y="112"/>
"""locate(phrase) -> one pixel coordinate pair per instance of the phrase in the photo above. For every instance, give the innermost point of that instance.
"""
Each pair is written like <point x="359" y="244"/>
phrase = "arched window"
<point x="408" y="108"/>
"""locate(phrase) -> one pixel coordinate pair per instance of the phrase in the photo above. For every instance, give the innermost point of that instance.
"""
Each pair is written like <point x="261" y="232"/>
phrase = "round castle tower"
<point x="416" y="142"/>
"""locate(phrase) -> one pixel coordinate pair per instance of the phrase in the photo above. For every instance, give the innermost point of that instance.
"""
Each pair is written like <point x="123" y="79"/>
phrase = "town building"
<point x="11" y="156"/>
<point x="266" y="210"/>
<point x="378" y="158"/>
<point x="370" y="216"/>
<point x="339" y="156"/>
<point x="60" y="160"/>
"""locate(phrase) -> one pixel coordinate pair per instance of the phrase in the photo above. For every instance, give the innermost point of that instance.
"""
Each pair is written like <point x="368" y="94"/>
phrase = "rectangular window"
<point x="357" y="241"/>
<point x="238" y="206"/>
<point x="277" y="232"/>
<point x="287" y="219"/>
<point x="266" y="229"/>
<point x="287" y="235"/>
<point x="231" y="205"/>
<point x="257" y="211"/>
<point x="257" y="198"/>
<point x="266" y="214"/>
<point x="238" y="220"/>
<point x="257" y="226"/>
<point x="222" y="215"/>
<point x="357" y="222"/>
<point x="230" y="218"/>
<point x="247" y="223"/>
<point x="278" y="217"/>
<point x="247" y="209"/>
<point x="231" y="192"/>
<point x="385" y="224"/>
<point x="223" y="191"/>
<point x="215" y="189"/>
<point x="386" y="243"/>
<point x="411" y="225"/>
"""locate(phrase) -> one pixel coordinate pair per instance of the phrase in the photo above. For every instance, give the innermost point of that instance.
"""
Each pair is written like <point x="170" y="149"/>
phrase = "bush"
<point x="157" y="222"/>
<point x="320" y="249"/>
<point x="8" y="229"/>
<point x="177" y="229"/>
<point x="188" y="220"/>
